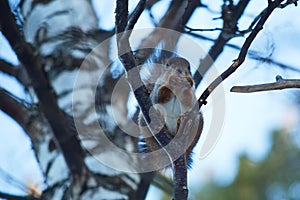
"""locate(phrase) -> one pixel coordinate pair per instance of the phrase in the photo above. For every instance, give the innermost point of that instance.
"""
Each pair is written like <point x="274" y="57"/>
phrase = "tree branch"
<point x="127" y="58"/>
<point x="143" y="187"/>
<point x="189" y="29"/>
<point x="252" y="54"/>
<point x="180" y="178"/>
<point x="67" y="139"/>
<point x="8" y="68"/>
<point x="230" y="20"/>
<point x="183" y="10"/>
<point x="280" y="84"/>
<point x="16" y="110"/>
<point x="136" y="14"/>
<point x="237" y="62"/>
<point x="17" y="72"/>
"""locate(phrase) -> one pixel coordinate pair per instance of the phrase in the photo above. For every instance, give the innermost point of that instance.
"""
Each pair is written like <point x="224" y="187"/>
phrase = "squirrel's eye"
<point x="179" y="70"/>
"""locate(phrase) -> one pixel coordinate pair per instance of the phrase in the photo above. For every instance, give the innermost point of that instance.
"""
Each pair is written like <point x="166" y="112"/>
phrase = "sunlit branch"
<point x="280" y="84"/>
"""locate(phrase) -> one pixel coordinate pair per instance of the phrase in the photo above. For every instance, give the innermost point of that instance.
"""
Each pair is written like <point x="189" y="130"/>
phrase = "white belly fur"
<point x="175" y="110"/>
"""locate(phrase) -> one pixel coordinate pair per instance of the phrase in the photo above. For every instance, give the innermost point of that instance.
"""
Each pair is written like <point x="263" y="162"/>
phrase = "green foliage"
<point x="276" y="177"/>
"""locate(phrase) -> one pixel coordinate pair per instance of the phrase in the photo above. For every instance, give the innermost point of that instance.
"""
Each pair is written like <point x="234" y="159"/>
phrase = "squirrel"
<point x="172" y="96"/>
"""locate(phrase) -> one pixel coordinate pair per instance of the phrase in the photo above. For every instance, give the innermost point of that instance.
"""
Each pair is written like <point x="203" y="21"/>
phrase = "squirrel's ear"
<point x="189" y="67"/>
<point x="191" y="81"/>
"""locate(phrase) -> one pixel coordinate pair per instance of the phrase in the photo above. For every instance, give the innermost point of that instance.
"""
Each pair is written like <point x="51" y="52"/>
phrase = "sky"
<point x="249" y="118"/>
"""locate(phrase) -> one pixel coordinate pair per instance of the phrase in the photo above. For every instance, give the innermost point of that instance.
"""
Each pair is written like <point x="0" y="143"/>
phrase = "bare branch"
<point x="8" y="68"/>
<point x="129" y="63"/>
<point x="280" y="84"/>
<point x="144" y="184"/>
<point x="189" y="29"/>
<point x="192" y="5"/>
<point x="67" y="139"/>
<point x="250" y="28"/>
<point x="237" y="62"/>
<point x="288" y="2"/>
<point x="252" y="54"/>
<point x="127" y="58"/>
<point x="136" y="14"/>
<point x="15" y="109"/>
<point x="175" y="18"/>
<point x="230" y="19"/>
<point x="17" y="72"/>
<point x="180" y="178"/>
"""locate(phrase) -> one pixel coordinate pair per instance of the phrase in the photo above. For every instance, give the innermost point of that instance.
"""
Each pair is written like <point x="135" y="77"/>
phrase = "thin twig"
<point x="172" y="20"/>
<point x="189" y="29"/>
<point x="237" y="62"/>
<point x="252" y="54"/>
<point x="18" y="72"/>
<point x="250" y="28"/>
<point x="280" y="84"/>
